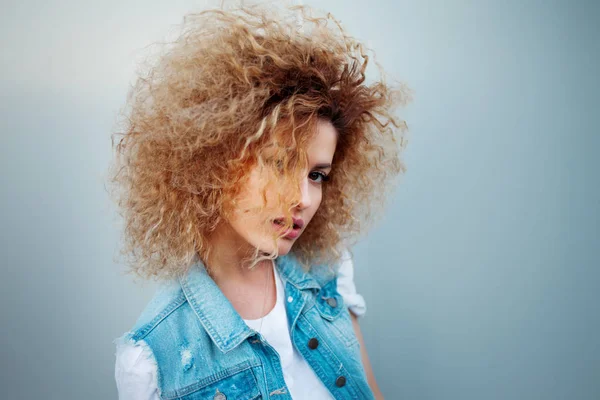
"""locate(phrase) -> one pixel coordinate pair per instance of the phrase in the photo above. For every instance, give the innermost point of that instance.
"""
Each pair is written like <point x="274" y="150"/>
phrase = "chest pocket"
<point x="331" y="307"/>
<point x="226" y="385"/>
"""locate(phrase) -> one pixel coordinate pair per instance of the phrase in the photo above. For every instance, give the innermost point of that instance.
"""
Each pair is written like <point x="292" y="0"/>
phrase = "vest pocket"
<point x="226" y="385"/>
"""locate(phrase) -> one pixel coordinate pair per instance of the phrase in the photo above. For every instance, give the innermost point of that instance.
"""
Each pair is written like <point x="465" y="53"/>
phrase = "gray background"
<point x="481" y="282"/>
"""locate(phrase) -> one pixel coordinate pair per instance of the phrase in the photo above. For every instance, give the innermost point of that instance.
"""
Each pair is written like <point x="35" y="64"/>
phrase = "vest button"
<point x="219" y="396"/>
<point x="313" y="343"/>
<point x="332" y="302"/>
<point x="340" y="381"/>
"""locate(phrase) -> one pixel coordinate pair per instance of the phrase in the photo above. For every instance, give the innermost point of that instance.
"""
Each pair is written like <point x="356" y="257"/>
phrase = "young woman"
<point x="253" y="154"/>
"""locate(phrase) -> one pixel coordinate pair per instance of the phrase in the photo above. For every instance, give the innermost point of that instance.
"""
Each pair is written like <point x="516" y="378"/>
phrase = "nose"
<point x="305" y="200"/>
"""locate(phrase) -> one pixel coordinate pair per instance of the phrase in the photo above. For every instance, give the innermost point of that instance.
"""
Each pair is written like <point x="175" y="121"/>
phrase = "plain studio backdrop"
<point x="482" y="281"/>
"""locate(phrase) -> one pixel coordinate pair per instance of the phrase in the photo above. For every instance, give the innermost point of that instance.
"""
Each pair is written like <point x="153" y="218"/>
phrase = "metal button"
<point x="332" y="302"/>
<point x="313" y="343"/>
<point x="219" y="396"/>
<point x="340" y="381"/>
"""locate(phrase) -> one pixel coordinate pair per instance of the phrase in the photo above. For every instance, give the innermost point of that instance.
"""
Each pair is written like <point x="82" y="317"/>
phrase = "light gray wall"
<point x="481" y="282"/>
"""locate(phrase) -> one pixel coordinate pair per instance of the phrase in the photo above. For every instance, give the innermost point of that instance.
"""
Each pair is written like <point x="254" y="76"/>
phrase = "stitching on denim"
<point x="299" y="313"/>
<point x="350" y="385"/>
<point x="205" y="322"/>
<point x="309" y="355"/>
<point x="304" y="284"/>
<point x="224" y="345"/>
<point x="262" y="367"/>
<point x="201" y="384"/>
<point x="142" y="332"/>
<point x="349" y="339"/>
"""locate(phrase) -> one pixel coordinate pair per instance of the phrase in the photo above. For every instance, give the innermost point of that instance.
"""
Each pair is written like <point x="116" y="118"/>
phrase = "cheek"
<point x="317" y="203"/>
<point x="253" y="195"/>
<point x="317" y="199"/>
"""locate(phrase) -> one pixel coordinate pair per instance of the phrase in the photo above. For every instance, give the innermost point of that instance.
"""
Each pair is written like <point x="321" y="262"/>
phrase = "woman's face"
<point x="257" y="228"/>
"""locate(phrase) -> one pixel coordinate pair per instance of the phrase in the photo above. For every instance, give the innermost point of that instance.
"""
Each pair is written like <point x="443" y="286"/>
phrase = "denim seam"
<point x="205" y="322"/>
<point x="142" y="332"/>
<point x="349" y="340"/>
<point x="351" y="386"/>
<point x="201" y="384"/>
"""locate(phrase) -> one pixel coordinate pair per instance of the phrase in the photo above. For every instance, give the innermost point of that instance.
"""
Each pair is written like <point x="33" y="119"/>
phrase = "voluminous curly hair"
<point x="234" y="82"/>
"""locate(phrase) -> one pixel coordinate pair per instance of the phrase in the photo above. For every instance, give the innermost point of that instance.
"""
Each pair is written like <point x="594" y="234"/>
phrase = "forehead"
<point x="320" y="146"/>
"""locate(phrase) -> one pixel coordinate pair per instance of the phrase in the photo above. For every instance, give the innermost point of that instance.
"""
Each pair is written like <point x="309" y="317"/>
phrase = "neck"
<point x="228" y="261"/>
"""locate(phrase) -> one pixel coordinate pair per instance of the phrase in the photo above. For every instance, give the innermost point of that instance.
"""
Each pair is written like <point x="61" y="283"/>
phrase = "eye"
<point x="316" y="175"/>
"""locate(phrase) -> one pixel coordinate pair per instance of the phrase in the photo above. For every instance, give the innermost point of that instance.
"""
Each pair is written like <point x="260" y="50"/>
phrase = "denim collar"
<point x="221" y="321"/>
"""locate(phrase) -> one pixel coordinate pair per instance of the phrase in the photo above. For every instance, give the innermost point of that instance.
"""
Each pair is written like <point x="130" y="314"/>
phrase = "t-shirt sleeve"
<point x="135" y="373"/>
<point x="346" y="287"/>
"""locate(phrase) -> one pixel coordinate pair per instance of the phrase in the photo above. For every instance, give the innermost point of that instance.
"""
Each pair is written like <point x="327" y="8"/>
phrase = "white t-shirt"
<point x="135" y="374"/>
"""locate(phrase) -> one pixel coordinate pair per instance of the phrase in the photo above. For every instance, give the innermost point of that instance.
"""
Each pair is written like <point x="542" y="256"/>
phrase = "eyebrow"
<point x="323" y="166"/>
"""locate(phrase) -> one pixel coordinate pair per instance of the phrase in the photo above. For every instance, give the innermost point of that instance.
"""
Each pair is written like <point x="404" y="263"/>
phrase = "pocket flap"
<point x="240" y="385"/>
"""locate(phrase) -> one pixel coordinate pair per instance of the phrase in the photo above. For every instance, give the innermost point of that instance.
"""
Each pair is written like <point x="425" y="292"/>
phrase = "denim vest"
<point x="204" y="350"/>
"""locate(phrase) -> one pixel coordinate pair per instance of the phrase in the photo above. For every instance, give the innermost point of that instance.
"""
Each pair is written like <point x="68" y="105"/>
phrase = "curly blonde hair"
<point x="231" y="83"/>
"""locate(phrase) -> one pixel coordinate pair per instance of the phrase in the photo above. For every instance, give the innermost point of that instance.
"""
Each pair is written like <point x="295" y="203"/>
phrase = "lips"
<point x="298" y="222"/>
<point x="290" y="233"/>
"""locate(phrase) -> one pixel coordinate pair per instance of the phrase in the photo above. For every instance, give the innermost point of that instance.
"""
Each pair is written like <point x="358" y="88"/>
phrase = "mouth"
<point x="290" y="233"/>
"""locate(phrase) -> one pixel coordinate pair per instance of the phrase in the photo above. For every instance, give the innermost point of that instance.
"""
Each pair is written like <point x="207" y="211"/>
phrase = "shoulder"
<point x="168" y="297"/>
<point x="167" y="314"/>
<point x="326" y="272"/>
<point x="136" y="371"/>
<point x="141" y="351"/>
<point x="341" y="274"/>
<point x="342" y="268"/>
<point x="346" y="285"/>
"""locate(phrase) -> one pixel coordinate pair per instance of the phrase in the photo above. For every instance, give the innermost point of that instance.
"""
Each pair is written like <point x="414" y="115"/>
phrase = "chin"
<point x="283" y="247"/>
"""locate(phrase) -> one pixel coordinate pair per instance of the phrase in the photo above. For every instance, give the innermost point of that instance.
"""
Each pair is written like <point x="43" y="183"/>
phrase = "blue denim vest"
<point x="204" y="350"/>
